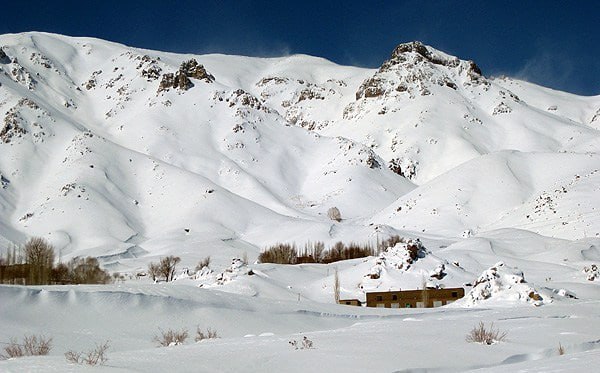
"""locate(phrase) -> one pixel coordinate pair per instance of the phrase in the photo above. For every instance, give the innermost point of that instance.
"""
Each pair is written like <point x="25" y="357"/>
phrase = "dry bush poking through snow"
<point x="171" y="337"/>
<point x="485" y="335"/>
<point x="561" y="349"/>
<point x="210" y="333"/>
<point x="13" y="350"/>
<point x="203" y="263"/>
<point x="95" y="356"/>
<point x="32" y="346"/>
<point x="334" y="214"/>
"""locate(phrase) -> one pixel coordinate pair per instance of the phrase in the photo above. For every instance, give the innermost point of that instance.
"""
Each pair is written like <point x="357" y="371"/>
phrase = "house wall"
<point x="414" y="298"/>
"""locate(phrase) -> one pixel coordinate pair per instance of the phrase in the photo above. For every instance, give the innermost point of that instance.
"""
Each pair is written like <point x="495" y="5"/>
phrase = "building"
<point x="350" y="302"/>
<point x="424" y="298"/>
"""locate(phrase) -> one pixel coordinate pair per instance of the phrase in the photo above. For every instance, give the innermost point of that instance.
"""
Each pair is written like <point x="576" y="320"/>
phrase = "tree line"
<point x="34" y="264"/>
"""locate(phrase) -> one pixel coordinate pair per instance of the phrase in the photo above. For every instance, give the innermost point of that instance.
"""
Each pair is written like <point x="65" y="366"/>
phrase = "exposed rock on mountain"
<point x="180" y="80"/>
<point x="410" y="70"/>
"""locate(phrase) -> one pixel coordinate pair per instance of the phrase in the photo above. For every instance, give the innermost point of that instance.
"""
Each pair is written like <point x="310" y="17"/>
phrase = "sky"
<point x="553" y="43"/>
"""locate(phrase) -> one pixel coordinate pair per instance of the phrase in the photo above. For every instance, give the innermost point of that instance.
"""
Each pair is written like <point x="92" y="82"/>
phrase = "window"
<point x="420" y="305"/>
<point x="394" y="297"/>
<point x="455" y="294"/>
<point x="395" y="305"/>
<point x="379" y="298"/>
<point x="437" y="303"/>
<point x="348" y="302"/>
<point x="380" y="305"/>
<point x="407" y="305"/>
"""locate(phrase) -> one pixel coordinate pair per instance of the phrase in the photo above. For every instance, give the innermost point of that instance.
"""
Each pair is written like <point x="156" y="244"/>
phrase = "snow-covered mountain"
<point x="121" y="153"/>
<point x="490" y="184"/>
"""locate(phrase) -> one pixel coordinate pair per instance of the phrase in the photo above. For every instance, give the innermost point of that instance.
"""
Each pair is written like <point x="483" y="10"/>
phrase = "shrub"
<point x="306" y="344"/>
<point x="334" y="214"/>
<point x="210" y="334"/>
<point x="561" y="349"/>
<point x="203" y="263"/>
<point x="31" y="346"/>
<point x="391" y="242"/>
<point x="170" y="337"/>
<point x="95" y="356"/>
<point x="87" y="271"/>
<point x="14" y="349"/>
<point x="485" y="335"/>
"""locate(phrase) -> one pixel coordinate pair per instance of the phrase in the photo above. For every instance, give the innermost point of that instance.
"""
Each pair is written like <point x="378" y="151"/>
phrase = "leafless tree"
<point x="153" y="271"/>
<point x="39" y="255"/>
<point x="336" y="286"/>
<point x="167" y="267"/>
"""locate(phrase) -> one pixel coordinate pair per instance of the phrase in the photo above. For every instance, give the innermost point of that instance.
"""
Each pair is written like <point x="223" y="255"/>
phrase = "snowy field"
<point x="255" y="333"/>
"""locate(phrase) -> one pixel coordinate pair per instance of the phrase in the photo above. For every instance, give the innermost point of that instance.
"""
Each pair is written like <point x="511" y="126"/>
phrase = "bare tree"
<point x="336" y="286"/>
<point x="167" y="267"/>
<point x="153" y="271"/>
<point x="39" y="255"/>
<point x="424" y="292"/>
<point x="87" y="271"/>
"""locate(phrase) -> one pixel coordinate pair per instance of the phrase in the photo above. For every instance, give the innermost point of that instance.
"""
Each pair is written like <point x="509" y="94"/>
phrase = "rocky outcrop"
<point x="413" y="68"/>
<point x="181" y="79"/>
<point x="11" y="127"/>
<point x="194" y="70"/>
<point x="177" y="80"/>
<point x="4" y="59"/>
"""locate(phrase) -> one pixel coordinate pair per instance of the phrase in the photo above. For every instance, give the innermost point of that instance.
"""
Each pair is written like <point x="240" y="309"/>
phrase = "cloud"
<point x="553" y="70"/>
<point x="253" y="49"/>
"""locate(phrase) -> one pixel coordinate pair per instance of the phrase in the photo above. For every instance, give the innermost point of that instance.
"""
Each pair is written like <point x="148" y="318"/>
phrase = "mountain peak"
<point x="413" y="67"/>
<point x="421" y="51"/>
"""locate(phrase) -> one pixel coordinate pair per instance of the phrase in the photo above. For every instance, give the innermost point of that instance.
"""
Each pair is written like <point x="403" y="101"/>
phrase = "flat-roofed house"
<point x="425" y="298"/>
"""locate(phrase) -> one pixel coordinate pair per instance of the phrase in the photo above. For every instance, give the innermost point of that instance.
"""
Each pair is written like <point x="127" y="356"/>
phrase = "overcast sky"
<point x="552" y="43"/>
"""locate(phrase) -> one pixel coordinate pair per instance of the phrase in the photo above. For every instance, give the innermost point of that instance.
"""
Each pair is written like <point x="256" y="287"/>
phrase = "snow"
<point x="496" y="179"/>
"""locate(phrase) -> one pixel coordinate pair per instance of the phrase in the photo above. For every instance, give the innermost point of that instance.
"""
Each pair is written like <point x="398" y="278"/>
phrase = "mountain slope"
<point x="120" y="152"/>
